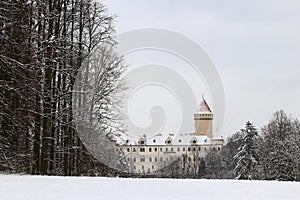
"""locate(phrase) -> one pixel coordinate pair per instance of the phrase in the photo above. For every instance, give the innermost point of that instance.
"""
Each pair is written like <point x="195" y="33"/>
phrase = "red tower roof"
<point x="204" y="107"/>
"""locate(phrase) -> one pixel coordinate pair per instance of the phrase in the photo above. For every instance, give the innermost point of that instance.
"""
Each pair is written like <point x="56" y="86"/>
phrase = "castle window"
<point x="219" y="149"/>
<point x="155" y="149"/>
<point x="133" y="149"/>
<point x="178" y="149"/>
<point x="150" y="159"/>
<point x="150" y="149"/>
<point x="155" y="159"/>
<point x="183" y="148"/>
<point x="134" y="160"/>
<point x="161" y="159"/>
<point x="179" y="140"/>
<point x="160" y="149"/>
<point x="154" y="141"/>
<point x="128" y="149"/>
<point x="199" y="148"/>
<point x="204" y="148"/>
<point x="166" y="148"/>
<point x="128" y="159"/>
<point x="152" y="166"/>
<point x="143" y="167"/>
<point x="189" y="159"/>
<point x="142" y="149"/>
<point x="142" y="142"/>
<point x="171" y="148"/>
<point x="194" y="141"/>
<point x="205" y="140"/>
<point x="127" y="141"/>
<point x="189" y="149"/>
<point x="214" y="148"/>
<point x="168" y="141"/>
<point x="194" y="149"/>
<point x="142" y="159"/>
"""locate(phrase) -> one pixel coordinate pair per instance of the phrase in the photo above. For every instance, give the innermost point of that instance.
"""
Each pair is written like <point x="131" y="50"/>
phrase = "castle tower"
<point x="203" y="120"/>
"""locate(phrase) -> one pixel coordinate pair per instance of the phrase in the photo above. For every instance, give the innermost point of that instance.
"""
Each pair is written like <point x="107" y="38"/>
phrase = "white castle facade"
<point x="148" y="155"/>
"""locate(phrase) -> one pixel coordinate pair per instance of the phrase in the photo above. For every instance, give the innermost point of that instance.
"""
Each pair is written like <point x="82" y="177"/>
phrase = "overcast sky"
<point x="255" y="46"/>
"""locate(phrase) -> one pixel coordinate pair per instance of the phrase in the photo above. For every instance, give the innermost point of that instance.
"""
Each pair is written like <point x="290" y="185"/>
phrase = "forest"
<point x="43" y="48"/>
<point x="59" y="75"/>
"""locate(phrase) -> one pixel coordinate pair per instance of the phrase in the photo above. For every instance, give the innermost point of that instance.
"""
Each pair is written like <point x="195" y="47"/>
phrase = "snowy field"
<point x="79" y="188"/>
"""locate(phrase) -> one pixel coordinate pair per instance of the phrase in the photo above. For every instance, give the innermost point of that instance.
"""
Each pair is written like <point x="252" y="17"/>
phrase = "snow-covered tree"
<point x="214" y="166"/>
<point x="247" y="157"/>
<point x="228" y="152"/>
<point x="280" y="153"/>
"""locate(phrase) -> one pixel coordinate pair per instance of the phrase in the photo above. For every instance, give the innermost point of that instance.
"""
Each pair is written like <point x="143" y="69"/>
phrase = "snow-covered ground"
<point x="88" y="188"/>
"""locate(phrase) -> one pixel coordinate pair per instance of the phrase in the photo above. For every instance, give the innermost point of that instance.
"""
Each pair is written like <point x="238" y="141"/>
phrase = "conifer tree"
<point x="246" y="157"/>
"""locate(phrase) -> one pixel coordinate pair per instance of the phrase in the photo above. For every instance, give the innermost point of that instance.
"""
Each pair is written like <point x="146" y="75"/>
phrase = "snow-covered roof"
<point x="204" y="107"/>
<point x="160" y="139"/>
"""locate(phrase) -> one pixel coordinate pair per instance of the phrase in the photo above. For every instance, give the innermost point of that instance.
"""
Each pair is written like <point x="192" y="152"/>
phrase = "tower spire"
<point x="203" y="119"/>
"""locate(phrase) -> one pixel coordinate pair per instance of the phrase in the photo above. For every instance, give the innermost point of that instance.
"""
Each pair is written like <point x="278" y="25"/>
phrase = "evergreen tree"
<point x="228" y="152"/>
<point x="246" y="157"/>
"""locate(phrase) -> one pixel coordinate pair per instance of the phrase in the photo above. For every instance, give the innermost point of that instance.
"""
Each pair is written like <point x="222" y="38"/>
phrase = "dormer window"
<point x="179" y="140"/>
<point x="193" y="141"/>
<point x="142" y="141"/>
<point x="154" y="141"/>
<point x="168" y="140"/>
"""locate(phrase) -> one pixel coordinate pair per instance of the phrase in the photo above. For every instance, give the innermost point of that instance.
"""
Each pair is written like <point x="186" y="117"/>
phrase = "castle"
<point x="148" y="155"/>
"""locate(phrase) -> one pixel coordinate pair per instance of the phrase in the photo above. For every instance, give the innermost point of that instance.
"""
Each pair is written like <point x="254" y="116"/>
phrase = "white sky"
<point x="255" y="46"/>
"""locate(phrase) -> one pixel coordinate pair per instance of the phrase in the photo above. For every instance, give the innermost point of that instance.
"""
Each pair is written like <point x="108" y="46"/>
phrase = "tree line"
<point x="44" y="45"/>
<point x="271" y="153"/>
